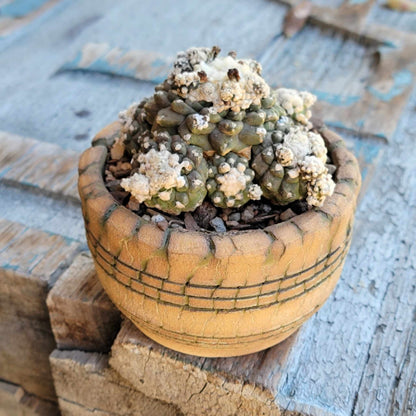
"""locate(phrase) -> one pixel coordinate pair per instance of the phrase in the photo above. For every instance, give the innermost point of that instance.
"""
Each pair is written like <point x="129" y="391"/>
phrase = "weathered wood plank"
<point x="228" y="386"/>
<point x="355" y="91"/>
<point x="70" y="107"/>
<point x="30" y="262"/>
<point x="104" y="59"/>
<point x="326" y="366"/>
<point x="53" y="215"/>
<point x="86" y="385"/>
<point x="15" y="14"/>
<point x="384" y="76"/>
<point x="81" y="314"/>
<point x="363" y="101"/>
<point x="392" y="18"/>
<point x="14" y="401"/>
<point x="389" y="382"/>
<point x="41" y="165"/>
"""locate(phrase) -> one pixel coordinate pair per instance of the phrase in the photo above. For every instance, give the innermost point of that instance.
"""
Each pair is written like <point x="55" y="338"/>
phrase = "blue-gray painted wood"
<point x="357" y="355"/>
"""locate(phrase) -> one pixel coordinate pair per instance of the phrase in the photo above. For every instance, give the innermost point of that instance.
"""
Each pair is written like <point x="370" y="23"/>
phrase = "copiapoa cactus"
<point x="214" y="129"/>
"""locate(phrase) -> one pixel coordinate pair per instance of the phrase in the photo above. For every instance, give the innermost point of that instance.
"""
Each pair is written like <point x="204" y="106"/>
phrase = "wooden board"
<point x="30" y="262"/>
<point x="69" y="108"/>
<point x="207" y="386"/>
<point x="43" y="166"/>
<point x="363" y="80"/>
<point x="14" y="401"/>
<point x="81" y="314"/>
<point x="85" y="385"/>
<point x="15" y="14"/>
<point x="341" y="362"/>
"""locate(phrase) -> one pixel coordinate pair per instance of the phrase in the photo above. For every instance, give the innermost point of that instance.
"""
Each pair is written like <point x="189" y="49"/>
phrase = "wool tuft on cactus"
<point x="214" y="130"/>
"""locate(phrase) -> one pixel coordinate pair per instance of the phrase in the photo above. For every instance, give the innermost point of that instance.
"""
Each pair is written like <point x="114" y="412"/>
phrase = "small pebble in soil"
<point x="287" y="215"/>
<point x="204" y="214"/>
<point x="248" y="213"/>
<point x="158" y="218"/>
<point x="133" y="204"/>
<point x="218" y="225"/>
<point x="114" y="185"/>
<point x="232" y="224"/>
<point x="190" y="223"/>
<point x="235" y="216"/>
<point x="266" y="208"/>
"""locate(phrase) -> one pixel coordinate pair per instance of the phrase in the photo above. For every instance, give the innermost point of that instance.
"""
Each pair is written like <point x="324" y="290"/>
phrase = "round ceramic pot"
<point x="211" y="294"/>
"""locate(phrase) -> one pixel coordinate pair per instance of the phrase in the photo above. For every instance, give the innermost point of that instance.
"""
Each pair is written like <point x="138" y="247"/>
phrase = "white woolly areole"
<point x="296" y="103"/>
<point x="255" y="192"/>
<point x="319" y="189"/>
<point x="159" y="169"/>
<point x="126" y="118"/>
<point x="312" y="167"/>
<point x="199" y="121"/>
<point x="299" y="143"/>
<point x="306" y="153"/>
<point x="233" y="182"/>
<point x="201" y="77"/>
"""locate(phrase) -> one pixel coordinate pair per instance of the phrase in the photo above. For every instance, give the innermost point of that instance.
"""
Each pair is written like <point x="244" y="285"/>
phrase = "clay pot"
<point x="218" y="295"/>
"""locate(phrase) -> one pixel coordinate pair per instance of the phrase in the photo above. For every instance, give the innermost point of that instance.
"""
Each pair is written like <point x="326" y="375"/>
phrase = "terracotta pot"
<point x="211" y="294"/>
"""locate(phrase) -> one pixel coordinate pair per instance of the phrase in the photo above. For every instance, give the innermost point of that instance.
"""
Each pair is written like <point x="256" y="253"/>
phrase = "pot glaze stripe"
<point x="114" y="261"/>
<point x="104" y="263"/>
<point x="214" y="340"/>
<point x="109" y="268"/>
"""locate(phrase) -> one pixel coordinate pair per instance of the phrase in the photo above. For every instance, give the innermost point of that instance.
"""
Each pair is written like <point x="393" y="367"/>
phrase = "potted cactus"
<point x="218" y="216"/>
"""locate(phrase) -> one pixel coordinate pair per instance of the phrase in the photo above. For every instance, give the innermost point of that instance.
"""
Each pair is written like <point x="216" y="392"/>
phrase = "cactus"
<point x="290" y="165"/>
<point x="214" y="129"/>
<point x="230" y="183"/>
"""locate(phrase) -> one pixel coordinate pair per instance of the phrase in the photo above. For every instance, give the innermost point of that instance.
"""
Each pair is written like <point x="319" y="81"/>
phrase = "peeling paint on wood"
<point x="356" y="356"/>
<point x="102" y="58"/>
<point x="37" y="164"/>
<point x="30" y="262"/>
<point x="368" y="153"/>
<point x="18" y="13"/>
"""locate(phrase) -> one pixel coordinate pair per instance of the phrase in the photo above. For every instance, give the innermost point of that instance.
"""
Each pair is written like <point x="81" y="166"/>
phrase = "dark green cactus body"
<point x="280" y="184"/>
<point x="230" y="180"/>
<point x="195" y="173"/>
<point x="221" y="133"/>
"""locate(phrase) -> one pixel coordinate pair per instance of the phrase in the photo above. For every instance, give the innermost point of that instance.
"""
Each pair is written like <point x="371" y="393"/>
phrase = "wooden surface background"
<point x="68" y="67"/>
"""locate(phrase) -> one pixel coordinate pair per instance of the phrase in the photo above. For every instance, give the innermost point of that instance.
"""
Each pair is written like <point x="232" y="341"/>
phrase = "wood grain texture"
<point x="226" y="386"/>
<point x="14" y="401"/>
<point x="14" y="16"/>
<point x="30" y="262"/>
<point x="68" y="108"/>
<point x="327" y="362"/>
<point x="338" y="353"/>
<point x="370" y="99"/>
<point x="85" y="385"/>
<point x="82" y="317"/>
<point x="37" y="164"/>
